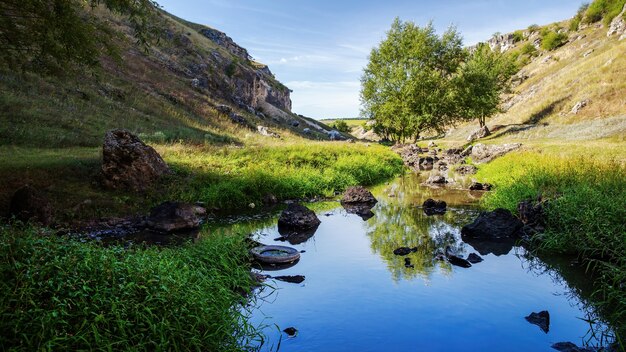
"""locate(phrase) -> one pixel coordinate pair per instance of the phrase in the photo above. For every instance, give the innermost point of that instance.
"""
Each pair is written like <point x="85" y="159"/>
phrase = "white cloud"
<point x="325" y="99"/>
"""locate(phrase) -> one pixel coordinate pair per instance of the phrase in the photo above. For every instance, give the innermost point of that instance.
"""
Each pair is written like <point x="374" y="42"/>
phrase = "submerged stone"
<point x="541" y="319"/>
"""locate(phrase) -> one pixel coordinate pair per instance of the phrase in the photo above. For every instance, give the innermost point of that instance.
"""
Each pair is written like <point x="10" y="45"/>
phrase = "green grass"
<point x="58" y="294"/>
<point x="584" y="216"/>
<point x="221" y="177"/>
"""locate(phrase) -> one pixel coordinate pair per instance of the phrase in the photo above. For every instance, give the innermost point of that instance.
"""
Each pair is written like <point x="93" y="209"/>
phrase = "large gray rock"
<point x="479" y="133"/>
<point x="175" y="216"/>
<point x="410" y="154"/>
<point x="128" y="163"/>
<point x="28" y="204"/>
<point x="298" y="217"/>
<point x="436" y="180"/>
<point x="496" y="225"/>
<point x="618" y="25"/>
<point x="482" y="153"/>
<point x="358" y="195"/>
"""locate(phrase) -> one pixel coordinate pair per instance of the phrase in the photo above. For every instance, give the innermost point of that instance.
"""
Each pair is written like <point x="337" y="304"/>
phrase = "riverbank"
<point x="224" y="178"/>
<point x="584" y="210"/>
<point x="57" y="293"/>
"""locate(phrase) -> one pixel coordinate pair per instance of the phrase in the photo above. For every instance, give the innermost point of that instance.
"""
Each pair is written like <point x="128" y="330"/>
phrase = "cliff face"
<point x="221" y="68"/>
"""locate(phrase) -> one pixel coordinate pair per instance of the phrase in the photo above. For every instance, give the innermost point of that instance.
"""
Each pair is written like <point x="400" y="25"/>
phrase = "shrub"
<point x="341" y="126"/>
<point x="553" y="40"/>
<point x="603" y="10"/>
<point x="533" y="28"/>
<point x="518" y="36"/>
<point x="529" y="49"/>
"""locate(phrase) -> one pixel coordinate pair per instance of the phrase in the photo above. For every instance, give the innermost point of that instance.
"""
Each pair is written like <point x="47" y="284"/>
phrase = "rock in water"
<point x="477" y="186"/>
<point x="293" y="279"/>
<point x="175" y="216"/>
<point x="541" y="319"/>
<point x="298" y="217"/>
<point x="358" y="195"/>
<point x="571" y="347"/>
<point x="436" y="180"/>
<point x="496" y="225"/>
<point x="474" y="258"/>
<point x="432" y="207"/>
<point x="128" y="163"/>
<point x="291" y="331"/>
<point x="28" y="203"/>
<point x="404" y="250"/>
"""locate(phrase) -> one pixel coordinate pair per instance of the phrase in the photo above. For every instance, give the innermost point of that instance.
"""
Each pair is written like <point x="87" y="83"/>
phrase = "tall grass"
<point x="232" y="178"/>
<point x="57" y="294"/>
<point x="585" y="213"/>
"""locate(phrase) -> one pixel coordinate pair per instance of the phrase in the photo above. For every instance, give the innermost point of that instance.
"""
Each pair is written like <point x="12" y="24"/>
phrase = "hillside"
<point x="570" y="94"/>
<point x="194" y="84"/>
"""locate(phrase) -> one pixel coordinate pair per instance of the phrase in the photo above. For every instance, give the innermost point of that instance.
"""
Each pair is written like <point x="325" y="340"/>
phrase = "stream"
<point x="358" y="296"/>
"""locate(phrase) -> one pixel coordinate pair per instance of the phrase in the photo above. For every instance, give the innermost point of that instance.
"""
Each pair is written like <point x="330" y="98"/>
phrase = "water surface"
<point x="359" y="296"/>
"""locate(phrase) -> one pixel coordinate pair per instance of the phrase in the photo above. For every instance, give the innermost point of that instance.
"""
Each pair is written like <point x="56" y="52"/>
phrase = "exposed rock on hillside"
<point x="128" y="163"/>
<point x="482" y="153"/>
<point x="618" y="26"/>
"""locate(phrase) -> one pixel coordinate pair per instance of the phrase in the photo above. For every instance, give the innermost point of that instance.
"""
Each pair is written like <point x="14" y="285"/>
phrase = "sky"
<point x="318" y="48"/>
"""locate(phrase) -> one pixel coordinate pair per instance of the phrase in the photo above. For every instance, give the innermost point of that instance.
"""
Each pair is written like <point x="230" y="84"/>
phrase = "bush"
<point x="575" y="22"/>
<point x="529" y="49"/>
<point x="605" y="10"/>
<point x="59" y="294"/>
<point x="533" y="28"/>
<point x="553" y="40"/>
<point x="518" y="36"/>
<point x="341" y="126"/>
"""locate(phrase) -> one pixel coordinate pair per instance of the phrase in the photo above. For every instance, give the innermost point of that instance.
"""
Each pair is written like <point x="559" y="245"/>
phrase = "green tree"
<point x="54" y="33"/>
<point x="406" y="86"/>
<point x="481" y="81"/>
<point x="341" y="126"/>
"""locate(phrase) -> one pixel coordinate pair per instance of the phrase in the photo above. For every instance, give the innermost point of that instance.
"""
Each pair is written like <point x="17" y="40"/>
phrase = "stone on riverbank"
<point x="496" y="225"/>
<point x="298" y="217"/>
<point x="128" y="163"/>
<point x="175" y="216"/>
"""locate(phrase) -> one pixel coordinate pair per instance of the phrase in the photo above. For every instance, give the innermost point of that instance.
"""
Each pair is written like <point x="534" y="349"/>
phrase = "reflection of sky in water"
<point x="358" y="296"/>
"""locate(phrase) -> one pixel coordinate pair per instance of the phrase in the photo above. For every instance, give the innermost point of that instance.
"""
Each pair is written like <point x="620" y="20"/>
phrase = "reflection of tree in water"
<point x="397" y="225"/>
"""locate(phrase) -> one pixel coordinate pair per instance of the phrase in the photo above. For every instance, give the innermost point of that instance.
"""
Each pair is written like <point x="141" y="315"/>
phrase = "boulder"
<point x="264" y="131"/>
<point x="482" y="153"/>
<point x="335" y="136"/>
<point x="456" y="260"/>
<point x="541" y="319"/>
<point x="477" y="186"/>
<point x="432" y="207"/>
<point x="466" y="170"/>
<point x="571" y="347"/>
<point x="410" y="154"/>
<point x="496" y="225"/>
<point x="28" y="204"/>
<point x="128" y="163"/>
<point x="175" y="216"/>
<point x="479" y="133"/>
<point x="432" y="145"/>
<point x="358" y="195"/>
<point x="298" y="217"/>
<point x="436" y="180"/>
<point x="579" y="106"/>
<point x="474" y="258"/>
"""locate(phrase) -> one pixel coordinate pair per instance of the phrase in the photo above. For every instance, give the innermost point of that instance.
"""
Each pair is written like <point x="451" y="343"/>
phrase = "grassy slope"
<point x="543" y="115"/>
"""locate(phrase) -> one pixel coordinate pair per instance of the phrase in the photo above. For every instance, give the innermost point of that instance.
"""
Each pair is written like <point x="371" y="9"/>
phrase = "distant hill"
<point x="575" y="91"/>
<point x="195" y="84"/>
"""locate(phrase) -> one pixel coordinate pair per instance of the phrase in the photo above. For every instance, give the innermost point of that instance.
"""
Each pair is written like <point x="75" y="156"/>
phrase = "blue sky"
<point x="319" y="48"/>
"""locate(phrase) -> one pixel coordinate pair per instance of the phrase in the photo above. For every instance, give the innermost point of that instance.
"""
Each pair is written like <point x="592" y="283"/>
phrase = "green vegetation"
<point x="551" y="39"/>
<point x="605" y="10"/>
<point x="60" y="294"/>
<point x="481" y="82"/>
<point x="46" y="35"/>
<point x="580" y="14"/>
<point x="533" y="28"/>
<point x="341" y="126"/>
<point x="529" y="49"/>
<point x="518" y="36"/>
<point x="585" y="212"/>
<point x="407" y="82"/>
<point x="224" y="177"/>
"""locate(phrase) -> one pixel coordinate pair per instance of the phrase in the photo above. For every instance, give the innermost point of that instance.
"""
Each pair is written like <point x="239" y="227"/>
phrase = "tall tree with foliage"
<point x="54" y="33"/>
<point x="407" y="84"/>
<point x="481" y="81"/>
